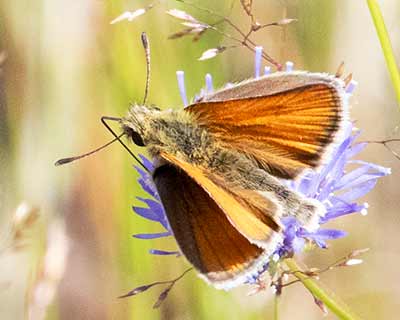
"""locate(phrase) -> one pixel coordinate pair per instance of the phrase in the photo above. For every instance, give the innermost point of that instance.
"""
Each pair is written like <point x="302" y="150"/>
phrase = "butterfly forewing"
<point x="271" y="84"/>
<point x="285" y="128"/>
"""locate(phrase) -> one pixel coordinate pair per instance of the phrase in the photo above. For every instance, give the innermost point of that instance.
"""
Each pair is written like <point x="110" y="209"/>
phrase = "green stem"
<point x="276" y="306"/>
<point x="331" y="302"/>
<point x="386" y="45"/>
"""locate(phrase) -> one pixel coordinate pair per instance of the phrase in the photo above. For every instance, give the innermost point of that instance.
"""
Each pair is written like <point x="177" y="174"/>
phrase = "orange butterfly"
<point x="220" y="164"/>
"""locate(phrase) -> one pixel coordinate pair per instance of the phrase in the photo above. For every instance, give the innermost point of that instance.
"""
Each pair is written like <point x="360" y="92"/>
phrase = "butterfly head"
<point x="137" y="124"/>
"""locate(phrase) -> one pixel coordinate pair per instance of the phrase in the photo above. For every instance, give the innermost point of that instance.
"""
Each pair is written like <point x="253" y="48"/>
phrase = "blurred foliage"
<point x="67" y="66"/>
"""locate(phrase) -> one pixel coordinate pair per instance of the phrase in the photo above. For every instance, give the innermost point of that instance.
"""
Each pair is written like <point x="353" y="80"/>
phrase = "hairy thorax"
<point x="176" y="132"/>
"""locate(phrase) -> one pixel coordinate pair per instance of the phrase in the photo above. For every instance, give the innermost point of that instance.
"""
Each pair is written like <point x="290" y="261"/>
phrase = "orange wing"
<point x="205" y="236"/>
<point x="283" y="131"/>
<point x="250" y="213"/>
<point x="219" y="231"/>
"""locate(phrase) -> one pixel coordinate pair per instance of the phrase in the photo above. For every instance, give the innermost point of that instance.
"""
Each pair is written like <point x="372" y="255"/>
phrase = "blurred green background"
<point x="66" y="66"/>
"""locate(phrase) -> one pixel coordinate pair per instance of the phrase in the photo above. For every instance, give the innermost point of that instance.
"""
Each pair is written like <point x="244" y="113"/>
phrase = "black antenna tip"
<point x="145" y="40"/>
<point x="63" y="161"/>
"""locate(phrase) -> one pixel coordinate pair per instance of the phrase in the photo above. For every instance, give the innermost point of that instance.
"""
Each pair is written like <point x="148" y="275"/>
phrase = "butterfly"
<point x="221" y="165"/>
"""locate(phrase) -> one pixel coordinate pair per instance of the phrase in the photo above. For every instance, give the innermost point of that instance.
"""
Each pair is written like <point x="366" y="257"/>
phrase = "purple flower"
<point x="336" y="187"/>
<point x="154" y="210"/>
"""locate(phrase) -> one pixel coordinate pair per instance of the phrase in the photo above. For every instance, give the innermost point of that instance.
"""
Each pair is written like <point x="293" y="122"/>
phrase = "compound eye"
<point x="136" y="138"/>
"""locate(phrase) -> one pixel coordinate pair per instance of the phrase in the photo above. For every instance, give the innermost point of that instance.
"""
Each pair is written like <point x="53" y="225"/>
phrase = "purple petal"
<point x="321" y="243"/>
<point x="338" y="202"/>
<point x="209" y="83"/>
<point x="307" y="182"/>
<point x="147" y="163"/>
<point x="328" y="234"/>
<point x="143" y="174"/>
<point x="289" y="222"/>
<point x="298" y="244"/>
<point x="352" y="176"/>
<point x="355" y="149"/>
<point x="362" y="180"/>
<point x="158" y="212"/>
<point x="152" y="204"/>
<point x="336" y="164"/>
<point x="164" y="253"/>
<point x="335" y="212"/>
<point x="358" y="191"/>
<point x="152" y="235"/>
<point x="325" y="234"/>
<point x="338" y="169"/>
<point x="147" y="183"/>
<point x="147" y="213"/>
<point x="384" y="170"/>
<point x="289" y="66"/>
<point x="326" y="190"/>
<point x="181" y="85"/>
<point x="336" y="156"/>
<point x="351" y="87"/>
<point x="331" y="170"/>
<point x="257" y="61"/>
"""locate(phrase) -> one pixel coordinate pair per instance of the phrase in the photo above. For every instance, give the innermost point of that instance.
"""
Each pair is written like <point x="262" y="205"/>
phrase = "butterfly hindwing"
<point x="203" y="232"/>
<point x="252" y="214"/>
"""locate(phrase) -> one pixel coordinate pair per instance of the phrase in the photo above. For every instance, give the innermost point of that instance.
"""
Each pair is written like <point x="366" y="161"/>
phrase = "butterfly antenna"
<point x="71" y="159"/>
<point x="146" y="46"/>
<point x="116" y="138"/>
<point x="104" y="121"/>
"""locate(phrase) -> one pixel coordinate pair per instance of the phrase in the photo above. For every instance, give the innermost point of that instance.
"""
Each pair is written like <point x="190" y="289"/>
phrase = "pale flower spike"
<point x="208" y="54"/>
<point x="197" y="27"/>
<point x="289" y="66"/>
<point x="23" y="214"/>
<point x="285" y="21"/>
<point x="180" y="75"/>
<point x="179" y="14"/>
<point x="52" y="268"/>
<point x="353" y="262"/>
<point x="129" y="15"/>
<point x="351" y="86"/>
<point x="209" y="83"/>
<point x="257" y="61"/>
